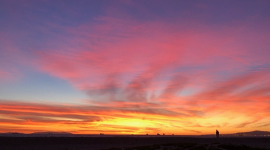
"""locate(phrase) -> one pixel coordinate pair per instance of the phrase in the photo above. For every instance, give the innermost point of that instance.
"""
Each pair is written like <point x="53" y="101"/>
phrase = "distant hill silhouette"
<point x="12" y="133"/>
<point x="51" y="133"/>
<point x="254" y="133"/>
<point x="249" y="134"/>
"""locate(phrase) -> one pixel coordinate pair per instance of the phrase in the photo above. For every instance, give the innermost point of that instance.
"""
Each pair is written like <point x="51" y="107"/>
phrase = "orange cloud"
<point x="148" y="77"/>
<point x="193" y="76"/>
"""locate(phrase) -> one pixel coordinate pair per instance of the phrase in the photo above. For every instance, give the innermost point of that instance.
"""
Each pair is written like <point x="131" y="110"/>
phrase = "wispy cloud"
<point x="139" y="75"/>
<point x="149" y="70"/>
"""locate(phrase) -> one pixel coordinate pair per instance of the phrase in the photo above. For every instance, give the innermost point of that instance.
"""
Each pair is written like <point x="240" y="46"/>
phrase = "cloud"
<point x="11" y="58"/>
<point x="244" y="124"/>
<point x="182" y="71"/>
<point x="193" y="131"/>
<point x="4" y="75"/>
<point x="75" y="118"/>
<point x="162" y="69"/>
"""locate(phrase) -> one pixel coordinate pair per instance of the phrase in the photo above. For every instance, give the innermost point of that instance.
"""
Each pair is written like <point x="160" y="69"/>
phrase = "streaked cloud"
<point x="144" y="67"/>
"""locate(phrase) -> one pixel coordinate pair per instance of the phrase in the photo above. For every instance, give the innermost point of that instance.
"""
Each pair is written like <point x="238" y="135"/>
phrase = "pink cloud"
<point x="11" y="57"/>
<point x="123" y="60"/>
<point x="116" y="53"/>
<point x="7" y="75"/>
<point x="123" y="53"/>
<point x="4" y="74"/>
<point x="145" y="68"/>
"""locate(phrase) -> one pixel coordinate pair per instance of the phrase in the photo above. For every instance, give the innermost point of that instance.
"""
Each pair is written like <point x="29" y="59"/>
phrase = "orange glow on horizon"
<point x="42" y="118"/>
<point x="134" y="67"/>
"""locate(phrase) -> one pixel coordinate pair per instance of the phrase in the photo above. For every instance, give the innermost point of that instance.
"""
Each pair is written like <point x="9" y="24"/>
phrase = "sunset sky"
<point x="134" y="66"/>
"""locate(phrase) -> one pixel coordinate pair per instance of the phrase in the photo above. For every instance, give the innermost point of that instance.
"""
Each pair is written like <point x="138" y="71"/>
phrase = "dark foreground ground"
<point x="132" y="143"/>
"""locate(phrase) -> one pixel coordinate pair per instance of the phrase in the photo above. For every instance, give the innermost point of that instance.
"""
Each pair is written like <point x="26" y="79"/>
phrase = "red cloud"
<point x="159" y="71"/>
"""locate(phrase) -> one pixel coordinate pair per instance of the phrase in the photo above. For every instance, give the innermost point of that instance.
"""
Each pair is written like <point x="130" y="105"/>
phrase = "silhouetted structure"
<point x="217" y="134"/>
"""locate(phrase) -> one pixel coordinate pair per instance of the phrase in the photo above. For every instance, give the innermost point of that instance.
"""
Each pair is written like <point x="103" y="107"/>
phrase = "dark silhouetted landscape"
<point x="255" y="140"/>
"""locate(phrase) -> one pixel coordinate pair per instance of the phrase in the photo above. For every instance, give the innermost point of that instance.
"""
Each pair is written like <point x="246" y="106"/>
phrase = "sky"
<point x="183" y="67"/>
